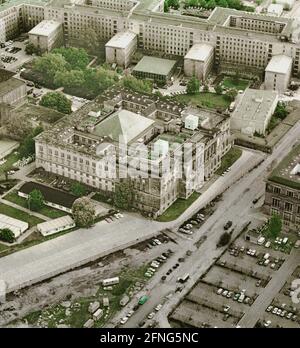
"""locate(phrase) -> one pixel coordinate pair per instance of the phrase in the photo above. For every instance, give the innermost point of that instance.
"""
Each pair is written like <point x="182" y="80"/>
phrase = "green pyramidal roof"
<point x="124" y="124"/>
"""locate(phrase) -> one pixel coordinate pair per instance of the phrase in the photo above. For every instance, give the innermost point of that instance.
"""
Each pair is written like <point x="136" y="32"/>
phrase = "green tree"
<point x="123" y="196"/>
<point x="57" y="101"/>
<point x="69" y="79"/>
<point x="222" y="3"/>
<point x="224" y="239"/>
<point x="281" y="111"/>
<point x="30" y="49"/>
<point x="211" y="4"/>
<point x="141" y="86"/>
<point x="6" y="235"/>
<point x="77" y="58"/>
<point x="193" y="86"/>
<point x="231" y="94"/>
<point x="83" y="212"/>
<point x="35" y="200"/>
<point x="27" y="147"/>
<point x="78" y="189"/>
<point x="49" y="64"/>
<point x="219" y="89"/>
<point x="275" y="226"/>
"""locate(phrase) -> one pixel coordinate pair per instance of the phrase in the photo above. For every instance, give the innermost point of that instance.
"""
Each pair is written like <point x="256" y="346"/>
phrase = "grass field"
<point x="19" y="214"/>
<point x="231" y="82"/>
<point x="45" y="210"/>
<point x="227" y="161"/>
<point x="177" y="208"/>
<point x="206" y="100"/>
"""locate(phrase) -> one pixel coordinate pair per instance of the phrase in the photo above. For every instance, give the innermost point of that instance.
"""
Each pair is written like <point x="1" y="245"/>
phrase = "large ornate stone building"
<point x="163" y="150"/>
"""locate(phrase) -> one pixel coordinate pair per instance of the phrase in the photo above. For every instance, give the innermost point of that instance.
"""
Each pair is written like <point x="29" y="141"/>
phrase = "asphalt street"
<point x="237" y="206"/>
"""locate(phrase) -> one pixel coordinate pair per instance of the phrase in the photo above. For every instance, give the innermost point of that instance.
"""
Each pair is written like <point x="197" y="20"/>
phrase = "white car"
<point x="157" y="241"/>
<point x="158" y="307"/>
<point x="151" y="315"/>
<point x="130" y="313"/>
<point x="124" y="320"/>
<point x="267" y="323"/>
<point x="154" y="265"/>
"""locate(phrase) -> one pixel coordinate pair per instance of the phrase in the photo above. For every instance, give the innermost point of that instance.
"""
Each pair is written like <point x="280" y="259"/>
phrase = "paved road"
<point x="71" y="250"/>
<point x="236" y="206"/>
<point x="257" y="310"/>
<point x="66" y="252"/>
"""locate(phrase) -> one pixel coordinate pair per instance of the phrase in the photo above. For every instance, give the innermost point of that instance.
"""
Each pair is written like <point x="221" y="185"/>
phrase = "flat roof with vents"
<point x="255" y="104"/>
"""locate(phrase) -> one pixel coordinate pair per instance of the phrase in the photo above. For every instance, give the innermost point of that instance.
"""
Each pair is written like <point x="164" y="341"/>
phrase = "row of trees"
<point x="141" y="86"/>
<point x="211" y="4"/>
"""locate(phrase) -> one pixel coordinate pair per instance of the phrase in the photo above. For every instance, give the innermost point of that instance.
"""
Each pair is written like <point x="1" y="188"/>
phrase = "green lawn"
<point x="10" y="160"/>
<point x="231" y="82"/>
<point x="18" y="214"/>
<point x="47" y="211"/>
<point x="227" y="161"/>
<point x="177" y="208"/>
<point x="206" y="100"/>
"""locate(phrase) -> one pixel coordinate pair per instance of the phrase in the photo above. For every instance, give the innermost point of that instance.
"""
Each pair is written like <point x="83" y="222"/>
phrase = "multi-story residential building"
<point x="47" y="35"/>
<point x="125" y="136"/>
<point x="282" y="194"/>
<point x="120" y="48"/>
<point x="241" y="40"/>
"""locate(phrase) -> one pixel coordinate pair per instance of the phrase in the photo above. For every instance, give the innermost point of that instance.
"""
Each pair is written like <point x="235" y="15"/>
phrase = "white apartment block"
<point x="120" y="48"/>
<point x="278" y="73"/>
<point x="199" y="61"/>
<point x="47" y="35"/>
<point x="245" y="41"/>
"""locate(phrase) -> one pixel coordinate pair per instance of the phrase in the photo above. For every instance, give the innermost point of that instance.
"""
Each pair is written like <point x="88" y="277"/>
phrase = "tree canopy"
<point x="6" y="235"/>
<point x="57" y="101"/>
<point x="141" y="86"/>
<point x="193" y="86"/>
<point x="123" y="196"/>
<point x="77" y="58"/>
<point x="67" y="68"/>
<point x="275" y="226"/>
<point x="27" y="147"/>
<point x="83" y="211"/>
<point x="35" y="200"/>
<point x="78" y="189"/>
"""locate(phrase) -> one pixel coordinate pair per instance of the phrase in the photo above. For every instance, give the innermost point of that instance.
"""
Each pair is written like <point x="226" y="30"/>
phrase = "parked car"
<point x="227" y="225"/>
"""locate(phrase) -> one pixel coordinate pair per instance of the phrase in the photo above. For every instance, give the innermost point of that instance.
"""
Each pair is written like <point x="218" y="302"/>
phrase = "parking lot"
<point x="244" y="276"/>
<point x="13" y="56"/>
<point x="283" y="311"/>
